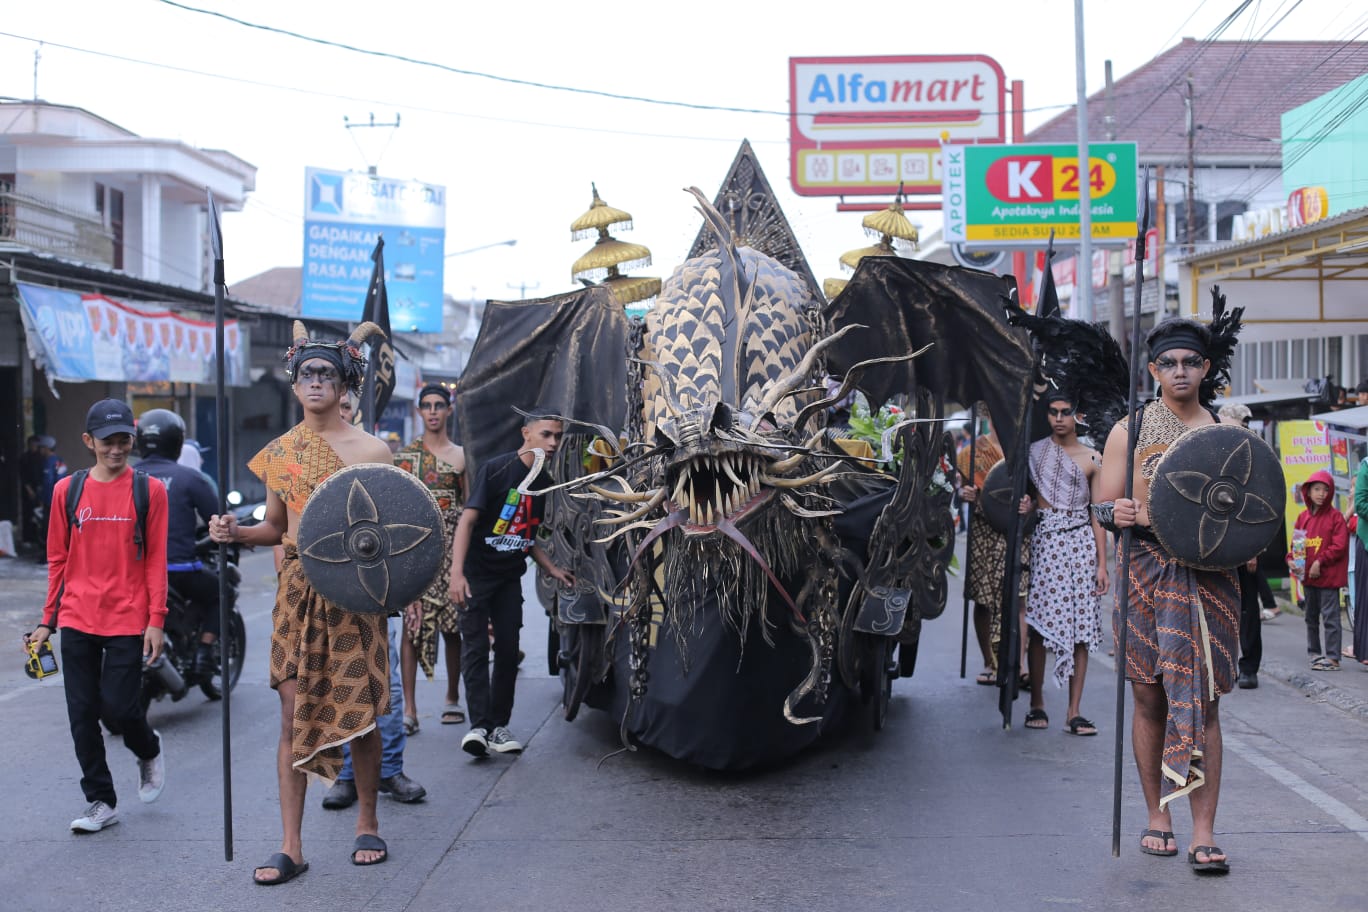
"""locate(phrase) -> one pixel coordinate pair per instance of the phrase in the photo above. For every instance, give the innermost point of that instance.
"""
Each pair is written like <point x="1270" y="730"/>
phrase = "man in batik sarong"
<point x="1068" y="564"/>
<point x="987" y="564"/>
<point x="1182" y="624"/>
<point x="439" y="464"/>
<point x="329" y="666"/>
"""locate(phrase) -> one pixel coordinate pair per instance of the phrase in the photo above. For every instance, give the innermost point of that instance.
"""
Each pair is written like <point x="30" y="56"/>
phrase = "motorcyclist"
<point x="160" y="437"/>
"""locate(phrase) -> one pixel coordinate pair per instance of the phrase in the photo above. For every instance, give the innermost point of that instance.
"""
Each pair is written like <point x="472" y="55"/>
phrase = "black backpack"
<point x="141" y="499"/>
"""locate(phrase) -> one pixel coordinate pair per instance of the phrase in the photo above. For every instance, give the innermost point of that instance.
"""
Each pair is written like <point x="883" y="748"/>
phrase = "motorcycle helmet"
<point x="160" y="433"/>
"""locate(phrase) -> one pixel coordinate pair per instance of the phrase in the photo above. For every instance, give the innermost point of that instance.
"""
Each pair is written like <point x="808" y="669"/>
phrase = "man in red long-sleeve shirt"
<point x="107" y="593"/>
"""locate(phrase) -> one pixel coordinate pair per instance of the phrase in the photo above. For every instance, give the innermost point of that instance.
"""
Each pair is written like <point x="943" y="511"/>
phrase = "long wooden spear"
<point x="1127" y="536"/>
<point x="226" y="634"/>
<point x="969" y="535"/>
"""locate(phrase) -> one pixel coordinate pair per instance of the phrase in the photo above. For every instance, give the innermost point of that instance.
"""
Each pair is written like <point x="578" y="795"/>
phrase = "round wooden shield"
<point x="996" y="498"/>
<point x="1217" y="497"/>
<point x="370" y="538"/>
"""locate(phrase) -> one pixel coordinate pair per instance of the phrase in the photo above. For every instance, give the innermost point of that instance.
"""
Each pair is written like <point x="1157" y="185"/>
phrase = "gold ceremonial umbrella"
<point x="598" y="219"/>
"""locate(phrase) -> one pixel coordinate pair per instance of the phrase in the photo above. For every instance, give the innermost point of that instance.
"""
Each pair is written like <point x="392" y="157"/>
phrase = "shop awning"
<point x="1304" y="283"/>
<point x="77" y="337"/>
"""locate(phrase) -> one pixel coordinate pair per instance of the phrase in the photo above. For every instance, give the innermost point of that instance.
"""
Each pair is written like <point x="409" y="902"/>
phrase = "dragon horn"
<point x="300" y="334"/>
<point x="365" y="331"/>
<point x="790" y="381"/>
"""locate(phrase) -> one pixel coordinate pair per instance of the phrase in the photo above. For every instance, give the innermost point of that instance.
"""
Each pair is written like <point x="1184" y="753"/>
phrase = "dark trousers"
<point x="104" y="682"/>
<point x="489" y="697"/>
<point x="1322" y="605"/>
<point x="1251" y="623"/>
<point x="201" y="589"/>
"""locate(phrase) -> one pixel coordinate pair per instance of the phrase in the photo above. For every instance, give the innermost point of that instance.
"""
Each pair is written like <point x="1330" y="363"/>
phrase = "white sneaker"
<point x="476" y="743"/>
<point x="98" y="816"/>
<point x="502" y="740"/>
<point x="152" y="774"/>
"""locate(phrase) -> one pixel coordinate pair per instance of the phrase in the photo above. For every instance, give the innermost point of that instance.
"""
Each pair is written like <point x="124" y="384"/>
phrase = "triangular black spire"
<point x="747" y="201"/>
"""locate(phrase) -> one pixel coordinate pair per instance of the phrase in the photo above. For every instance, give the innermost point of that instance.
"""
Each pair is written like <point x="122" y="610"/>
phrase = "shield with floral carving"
<point x="370" y="538"/>
<point x="1217" y="497"/>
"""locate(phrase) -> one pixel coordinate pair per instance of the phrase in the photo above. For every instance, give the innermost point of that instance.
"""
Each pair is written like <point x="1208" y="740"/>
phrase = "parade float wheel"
<point x="876" y="672"/>
<point x="582" y="645"/>
<point x="553" y="645"/>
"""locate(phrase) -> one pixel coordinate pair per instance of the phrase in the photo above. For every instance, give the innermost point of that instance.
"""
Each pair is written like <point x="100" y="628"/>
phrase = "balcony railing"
<point x="43" y="226"/>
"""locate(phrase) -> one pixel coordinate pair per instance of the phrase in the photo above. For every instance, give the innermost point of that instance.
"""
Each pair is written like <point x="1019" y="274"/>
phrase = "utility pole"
<point x="1083" y="309"/>
<point x="371" y="169"/>
<point x="523" y="287"/>
<point x="1189" y="202"/>
<point x="1116" y="286"/>
<point x="37" y="56"/>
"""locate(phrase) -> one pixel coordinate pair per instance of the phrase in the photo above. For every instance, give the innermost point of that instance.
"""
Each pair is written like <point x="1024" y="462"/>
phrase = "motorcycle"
<point x="170" y="676"/>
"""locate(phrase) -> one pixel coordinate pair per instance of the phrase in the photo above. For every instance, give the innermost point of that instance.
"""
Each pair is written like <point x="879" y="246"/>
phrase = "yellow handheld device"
<point x="41" y="663"/>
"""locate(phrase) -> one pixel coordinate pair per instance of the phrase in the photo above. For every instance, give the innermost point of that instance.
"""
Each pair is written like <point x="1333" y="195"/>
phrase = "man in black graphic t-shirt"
<point x="496" y="533"/>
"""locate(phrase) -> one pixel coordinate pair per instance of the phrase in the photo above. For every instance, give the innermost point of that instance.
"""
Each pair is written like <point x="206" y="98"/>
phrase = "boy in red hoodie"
<point x="1327" y="568"/>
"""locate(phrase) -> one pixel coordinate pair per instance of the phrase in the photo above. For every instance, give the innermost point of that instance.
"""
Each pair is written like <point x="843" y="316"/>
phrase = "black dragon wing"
<point x="566" y="354"/>
<point x="975" y="354"/>
<point x="1086" y="362"/>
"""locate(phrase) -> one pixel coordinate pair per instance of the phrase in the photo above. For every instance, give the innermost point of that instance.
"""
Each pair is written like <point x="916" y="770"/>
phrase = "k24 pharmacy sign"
<point x="1000" y="196"/>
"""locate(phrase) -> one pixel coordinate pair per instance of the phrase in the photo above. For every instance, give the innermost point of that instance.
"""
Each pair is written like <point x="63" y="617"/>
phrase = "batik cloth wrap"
<point x="1062" y="603"/>
<point x="1182" y="626"/>
<point x="438" y="613"/>
<point x="339" y="660"/>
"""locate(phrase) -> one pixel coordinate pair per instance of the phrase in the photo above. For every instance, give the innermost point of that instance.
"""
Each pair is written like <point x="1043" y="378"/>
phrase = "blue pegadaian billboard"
<point x="344" y="212"/>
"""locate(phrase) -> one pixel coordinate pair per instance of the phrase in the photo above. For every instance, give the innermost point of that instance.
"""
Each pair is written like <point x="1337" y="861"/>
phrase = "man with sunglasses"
<point x="1068" y="564"/>
<point x="1183" y="624"/>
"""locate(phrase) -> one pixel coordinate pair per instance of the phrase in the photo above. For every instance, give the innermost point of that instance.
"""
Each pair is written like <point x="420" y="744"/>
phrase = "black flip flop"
<point x="1077" y="722"/>
<point x="1165" y="835"/>
<point x="286" y="869"/>
<point x="369" y="842"/>
<point x="1208" y="866"/>
<point x="1037" y="715"/>
<point x="986" y="678"/>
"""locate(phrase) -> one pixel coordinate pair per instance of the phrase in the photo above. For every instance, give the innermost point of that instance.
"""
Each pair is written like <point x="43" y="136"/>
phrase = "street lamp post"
<point x="457" y="253"/>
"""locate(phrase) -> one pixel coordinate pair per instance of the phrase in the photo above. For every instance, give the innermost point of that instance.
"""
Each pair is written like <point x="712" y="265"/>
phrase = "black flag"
<point x="380" y="371"/>
<point x="1047" y="304"/>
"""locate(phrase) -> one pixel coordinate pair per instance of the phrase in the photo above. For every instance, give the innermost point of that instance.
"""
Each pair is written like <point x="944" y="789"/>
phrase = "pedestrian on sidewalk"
<point x="1327" y="568"/>
<point x="107" y="593"/>
<point x="1254" y="587"/>
<point x="496" y="533"/>
<point x="1361" y="559"/>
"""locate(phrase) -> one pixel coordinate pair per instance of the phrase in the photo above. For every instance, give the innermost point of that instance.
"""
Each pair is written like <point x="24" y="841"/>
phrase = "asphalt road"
<point x="943" y="810"/>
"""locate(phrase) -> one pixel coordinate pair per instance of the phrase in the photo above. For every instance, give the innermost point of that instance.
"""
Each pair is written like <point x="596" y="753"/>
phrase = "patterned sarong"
<point x="438" y="612"/>
<point x="1182" y="631"/>
<point x="1062" y="604"/>
<point x="339" y="660"/>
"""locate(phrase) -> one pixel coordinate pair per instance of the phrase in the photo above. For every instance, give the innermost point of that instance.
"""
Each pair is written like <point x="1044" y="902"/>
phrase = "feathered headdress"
<point x="1224" y="327"/>
<point x="1084" y="361"/>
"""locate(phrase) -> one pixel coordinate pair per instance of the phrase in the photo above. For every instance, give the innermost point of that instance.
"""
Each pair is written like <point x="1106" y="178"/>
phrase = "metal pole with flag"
<point x="379" y="382"/>
<point x="1127" y="535"/>
<point x="221" y="410"/>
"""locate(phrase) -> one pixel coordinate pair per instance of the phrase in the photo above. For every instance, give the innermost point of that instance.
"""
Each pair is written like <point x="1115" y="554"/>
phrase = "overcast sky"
<point x="517" y="160"/>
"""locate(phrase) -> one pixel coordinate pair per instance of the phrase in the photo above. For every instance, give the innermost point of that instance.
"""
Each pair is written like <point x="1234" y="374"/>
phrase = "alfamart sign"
<point x="859" y="126"/>
<point x="1000" y="196"/>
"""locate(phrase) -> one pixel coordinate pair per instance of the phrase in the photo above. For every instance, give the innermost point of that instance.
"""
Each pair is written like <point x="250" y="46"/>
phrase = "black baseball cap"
<point x="108" y="417"/>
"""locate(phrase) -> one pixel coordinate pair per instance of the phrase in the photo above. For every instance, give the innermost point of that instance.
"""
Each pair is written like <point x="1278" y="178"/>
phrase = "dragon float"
<point x="744" y="581"/>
